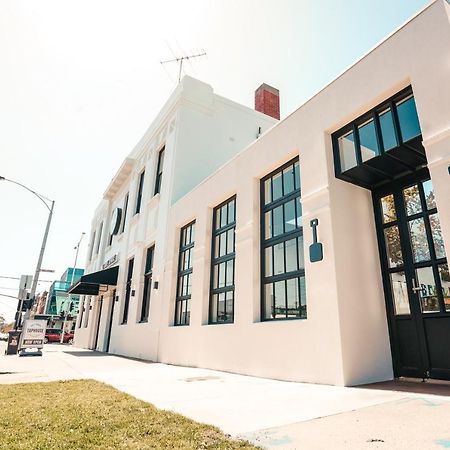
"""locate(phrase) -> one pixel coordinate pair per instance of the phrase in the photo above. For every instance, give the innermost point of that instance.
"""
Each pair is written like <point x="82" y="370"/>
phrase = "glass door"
<point x="416" y="277"/>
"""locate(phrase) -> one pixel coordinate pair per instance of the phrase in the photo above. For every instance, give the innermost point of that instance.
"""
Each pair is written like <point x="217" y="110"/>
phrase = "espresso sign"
<point x="33" y="333"/>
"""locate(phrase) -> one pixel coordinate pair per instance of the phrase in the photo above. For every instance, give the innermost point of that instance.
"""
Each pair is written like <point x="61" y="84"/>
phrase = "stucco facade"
<point x="345" y="339"/>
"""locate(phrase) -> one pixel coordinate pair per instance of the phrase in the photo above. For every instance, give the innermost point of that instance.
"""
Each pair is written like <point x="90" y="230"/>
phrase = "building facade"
<point x="316" y="253"/>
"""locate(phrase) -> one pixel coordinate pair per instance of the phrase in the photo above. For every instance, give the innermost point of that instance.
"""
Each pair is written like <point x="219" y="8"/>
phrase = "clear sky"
<point x="80" y="82"/>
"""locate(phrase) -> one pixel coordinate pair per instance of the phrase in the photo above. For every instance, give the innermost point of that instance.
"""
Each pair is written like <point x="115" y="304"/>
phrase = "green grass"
<point x="86" y="414"/>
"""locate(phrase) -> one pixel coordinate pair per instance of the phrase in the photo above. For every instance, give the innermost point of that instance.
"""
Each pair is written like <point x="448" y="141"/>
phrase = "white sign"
<point x="33" y="333"/>
<point x="111" y="261"/>
<point x="25" y="281"/>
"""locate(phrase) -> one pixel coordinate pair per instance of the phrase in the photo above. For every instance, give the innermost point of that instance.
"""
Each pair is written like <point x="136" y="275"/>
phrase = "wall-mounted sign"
<point x="115" y="221"/>
<point x="316" y="248"/>
<point x="111" y="261"/>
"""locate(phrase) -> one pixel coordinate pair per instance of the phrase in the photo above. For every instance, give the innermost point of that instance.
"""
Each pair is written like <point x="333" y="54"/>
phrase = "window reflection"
<point x="388" y="130"/>
<point x="438" y="239"/>
<point x="347" y="151"/>
<point x="444" y="276"/>
<point x="388" y="207"/>
<point x="419" y="242"/>
<point x="429" y="300"/>
<point x="429" y="194"/>
<point x="407" y="116"/>
<point x="412" y="200"/>
<point x="400" y="293"/>
<point x="368" y="140"/>
<point x="393" y="246"/>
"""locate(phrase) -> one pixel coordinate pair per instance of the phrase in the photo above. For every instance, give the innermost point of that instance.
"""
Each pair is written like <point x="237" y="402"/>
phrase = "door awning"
<point x="90" y="284"/>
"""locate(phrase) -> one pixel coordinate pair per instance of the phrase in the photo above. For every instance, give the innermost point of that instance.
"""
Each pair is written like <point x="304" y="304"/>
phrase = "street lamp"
<point x="46" y="201"/>
<point x="77" y="248"/>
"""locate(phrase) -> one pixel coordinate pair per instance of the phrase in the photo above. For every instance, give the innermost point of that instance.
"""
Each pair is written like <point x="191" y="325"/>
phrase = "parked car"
<point x="54" y="335"/>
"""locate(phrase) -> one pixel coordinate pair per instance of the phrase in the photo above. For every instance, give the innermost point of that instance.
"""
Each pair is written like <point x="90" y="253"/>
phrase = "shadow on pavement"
<point x="412" y="385"/>
<point x="89" y="353"/>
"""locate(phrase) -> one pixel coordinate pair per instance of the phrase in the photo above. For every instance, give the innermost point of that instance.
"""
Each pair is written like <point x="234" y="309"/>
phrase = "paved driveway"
<point x="273" y="414"/>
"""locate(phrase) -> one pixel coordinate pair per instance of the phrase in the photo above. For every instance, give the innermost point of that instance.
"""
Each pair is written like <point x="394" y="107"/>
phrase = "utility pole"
<point x="77" y="248"/>
<point x="180" y="62"/>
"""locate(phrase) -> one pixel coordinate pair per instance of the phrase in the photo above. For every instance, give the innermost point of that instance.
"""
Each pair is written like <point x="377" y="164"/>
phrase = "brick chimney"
<point x="267" y="101"/>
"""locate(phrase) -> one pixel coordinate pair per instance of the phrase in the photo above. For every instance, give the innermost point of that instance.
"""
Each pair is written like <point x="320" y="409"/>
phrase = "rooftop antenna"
<point x="180" y="61"/>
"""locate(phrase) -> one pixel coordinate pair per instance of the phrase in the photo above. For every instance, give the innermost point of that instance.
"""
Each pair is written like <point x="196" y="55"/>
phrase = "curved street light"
<point x="46" y="202"/>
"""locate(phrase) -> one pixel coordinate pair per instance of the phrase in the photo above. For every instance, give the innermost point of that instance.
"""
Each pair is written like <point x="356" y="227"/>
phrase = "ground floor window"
<point x="282" y="260"/>
<point x="184" y="283"/>
<point x="126" y="303"/>
<point x="145" y="306"/>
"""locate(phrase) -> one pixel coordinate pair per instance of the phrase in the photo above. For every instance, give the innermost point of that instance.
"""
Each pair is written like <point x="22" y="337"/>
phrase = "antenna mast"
<point x="180" y="61"/>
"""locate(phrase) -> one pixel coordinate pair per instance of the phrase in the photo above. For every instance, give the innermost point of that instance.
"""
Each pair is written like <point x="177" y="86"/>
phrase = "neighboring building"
<point x="40" y="303"/>
<point x="317" y="253"/>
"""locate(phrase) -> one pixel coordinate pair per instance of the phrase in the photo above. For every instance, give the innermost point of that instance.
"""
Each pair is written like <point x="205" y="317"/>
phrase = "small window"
<point x="282" y="259"/>
<point x="125" y="209"/>
<point x="126" y="303"/>
<point x="409" y="121"/>
<point x="145" y="306"/>
<point x="221" y="304"/>
<point x="159" y="171"/>
<point x="184" y="284"/>
<point x="139" y="193"/>
<point x="99" y="240"/>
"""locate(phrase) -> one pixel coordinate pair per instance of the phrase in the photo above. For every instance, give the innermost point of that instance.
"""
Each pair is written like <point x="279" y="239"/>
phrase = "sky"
<point x="81" y="81"/>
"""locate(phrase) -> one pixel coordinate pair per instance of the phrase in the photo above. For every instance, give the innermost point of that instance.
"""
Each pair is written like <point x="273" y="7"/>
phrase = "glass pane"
<point x="297" y="175"/>
<point x="429" y="300"/>
<point x="217" y="219"/>
<point x="288" y="180"/>
<point x="268" y="262"/>
<point x="303" y="297"/>
<point x="222" y="275"/>
<point x="429" y="194"/>
<point x="267" y="191"/>
<point x="230" y="241"/>
<point x="189" y="284"/>
<point x="293" y="298"/>
<point x="407" y="116"/>
<point x="347" y="151"/>
<point x="412" y="200"/>
<point x="419" y="241"/>
<point x="278" y="259"/>
<point x="444" y="275"/>
<point x="268" y="225"/>
<point x="277" y="186"/>
<point x="221" y="308"/>
<point x="213" y="317"/>
<point x="268" y="301"/>
<point x="216" y="246"/>
<point x="280" y="299"/>
<point x="229" y="300"/>
<point x="393" y="247"/>
<point x="387" y="130"/>
<point x="301" y="253"/>
<point x="436" y="232"/>
<point x="223" y="215"/>
<point x="231" y="211"/>
<point x="192" y="233"/>
<point x="289" y="216"/>
<point x="368" y="140"/>
<point x="388" y="207"/>
<point x="223" y="244"/>
<point x="216" y="276"/>
<point x="291" y="255"/>
<point x="187" y="311"/>
<point x="278" y="221"/>
<point x="230" y="272"/>
<point x="400" y="293"/>
<point x="299" y="213"/>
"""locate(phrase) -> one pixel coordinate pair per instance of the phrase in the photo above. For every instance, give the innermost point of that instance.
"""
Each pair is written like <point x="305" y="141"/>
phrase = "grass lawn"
<point x="86" y="414"/>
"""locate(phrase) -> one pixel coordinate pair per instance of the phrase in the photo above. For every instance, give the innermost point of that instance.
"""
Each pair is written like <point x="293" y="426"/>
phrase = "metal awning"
<point x="90" y="284"/>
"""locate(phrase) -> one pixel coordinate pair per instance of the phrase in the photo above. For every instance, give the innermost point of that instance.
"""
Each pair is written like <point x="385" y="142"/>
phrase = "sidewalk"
<point x="270" y="413"/>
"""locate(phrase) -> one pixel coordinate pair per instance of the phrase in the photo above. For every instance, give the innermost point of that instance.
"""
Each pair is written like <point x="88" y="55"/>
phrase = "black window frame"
<point x="99" y="240"/>
<point x="139" y="193"/>
<point x="184" y="299"/>
<point x="281" y="238"/>
<point x="216" y="261"/>
<point x="125" y="210"/>
<point x="147" y="290"/>
<point x="126" y="302"/>
<point x="159" y="171"/>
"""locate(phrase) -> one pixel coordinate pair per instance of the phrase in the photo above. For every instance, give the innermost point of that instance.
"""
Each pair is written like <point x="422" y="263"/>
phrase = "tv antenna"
<point x="180" y="61"/>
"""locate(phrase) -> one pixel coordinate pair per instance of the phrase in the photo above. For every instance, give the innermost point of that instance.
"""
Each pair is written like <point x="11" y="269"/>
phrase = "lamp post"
<point x="77" y="248"/>
<point x="46" y="201"/>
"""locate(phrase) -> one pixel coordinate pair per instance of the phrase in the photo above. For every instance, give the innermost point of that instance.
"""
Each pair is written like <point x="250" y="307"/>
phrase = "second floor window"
<point x="221" y="302"/>
<point x="184" y="284"/>
<point x="99" y="240"/>
<point x="159" y="171"/>
<point x="125" y="208"/>
<point x="139" y="193"/>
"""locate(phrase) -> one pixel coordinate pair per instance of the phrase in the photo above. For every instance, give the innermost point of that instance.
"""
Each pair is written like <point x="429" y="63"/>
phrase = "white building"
<point x="239" y="282"/>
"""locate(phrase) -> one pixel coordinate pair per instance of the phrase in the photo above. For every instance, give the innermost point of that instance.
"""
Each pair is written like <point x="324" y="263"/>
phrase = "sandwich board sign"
<point x="33" y="334"/>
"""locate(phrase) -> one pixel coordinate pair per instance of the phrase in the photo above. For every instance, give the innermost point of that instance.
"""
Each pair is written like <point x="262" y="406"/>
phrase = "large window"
<point x="221" y="306"/>
<point x="145" y="306"/>
<point x="126" y="304"/>
<point x="139" y="193"/>
<point x="99" y="239"/>
<point x="184" y="284"/>
<point x="282" y="260"/>
<point x="125" y="208"/>
<point x="159" y="171"/>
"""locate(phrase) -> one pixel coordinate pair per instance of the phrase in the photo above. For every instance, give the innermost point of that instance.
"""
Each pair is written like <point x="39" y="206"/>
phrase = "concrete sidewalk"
<point x="270" y="413"/>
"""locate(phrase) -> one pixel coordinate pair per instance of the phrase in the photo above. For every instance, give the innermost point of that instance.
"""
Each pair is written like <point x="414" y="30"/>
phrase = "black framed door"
<point x="99" y="318"/>
<point x="415" y="276"/>
<point x="110" y="321"/>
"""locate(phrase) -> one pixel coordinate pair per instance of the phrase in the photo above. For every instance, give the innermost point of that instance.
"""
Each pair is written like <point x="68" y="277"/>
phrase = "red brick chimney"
<point x="267" y="101"/>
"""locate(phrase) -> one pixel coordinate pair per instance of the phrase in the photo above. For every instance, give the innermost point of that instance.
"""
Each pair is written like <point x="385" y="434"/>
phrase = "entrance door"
<point x="99" y="318"/>
<point x="416" y="277"/>
<point x="110" y="321"/>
